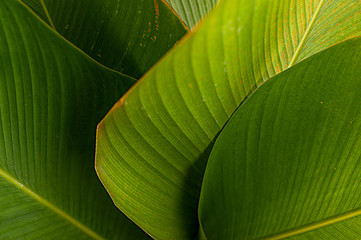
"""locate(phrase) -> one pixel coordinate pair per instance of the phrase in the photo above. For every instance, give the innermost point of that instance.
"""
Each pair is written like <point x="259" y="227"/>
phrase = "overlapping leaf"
<point x="152" y="146"/>
<point x="51" y="98"/>
<point x="192" y="11"/>
<point x="288" y="162"/>
<point x="128" y="36"/>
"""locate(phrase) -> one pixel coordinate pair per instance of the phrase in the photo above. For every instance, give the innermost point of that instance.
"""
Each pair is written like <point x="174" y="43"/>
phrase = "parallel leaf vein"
<point x="47" y="14"/>
<point x="316" y="225"/>
<point x="49" y="205"/>
<point x="306" y="34"/>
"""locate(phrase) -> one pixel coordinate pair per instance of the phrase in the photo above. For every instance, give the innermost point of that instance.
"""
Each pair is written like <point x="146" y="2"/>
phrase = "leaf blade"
<point x="192" y="11"/>
<point x="286" y="159"/>
<point x="166" y="124"/>
<point x="127" y="36"/>
<point x="48" y="205"/>
<point x="52" y="95"/>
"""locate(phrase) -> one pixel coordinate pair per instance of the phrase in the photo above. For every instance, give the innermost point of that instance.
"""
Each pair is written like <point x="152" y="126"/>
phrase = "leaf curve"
<point x="286" y="164"/>
<point x="51" y="97"/>
<point x="128" y="36"/>
<point x="153" y="145"/>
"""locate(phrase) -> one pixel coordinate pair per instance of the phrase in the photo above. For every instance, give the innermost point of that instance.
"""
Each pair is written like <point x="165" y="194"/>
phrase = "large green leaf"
<point x="152" y="146"/>
<point x="125" y="35"/>
<point x="192" y="11"/>
<point x="51" y="98"/>
<point x="289" y="160"/>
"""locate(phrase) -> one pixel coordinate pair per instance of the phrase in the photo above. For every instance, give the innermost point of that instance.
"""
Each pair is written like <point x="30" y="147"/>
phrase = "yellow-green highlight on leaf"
<point x="287" y="163"/>
<point x="317" y="225"/>
<point x="47" y="14"/>
<point x="52" y="96"/>
<point x="152" y="148"/>
<point x="192" y="11"/>
<point x="127" y="36"/>
<point x="47" y="204"/>
<point x="306" y="34"/>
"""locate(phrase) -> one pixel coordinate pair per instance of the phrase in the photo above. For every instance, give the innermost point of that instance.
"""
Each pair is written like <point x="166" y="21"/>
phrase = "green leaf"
<point x="128" y="36"/>
<point x="51" y="98"/>
<point x="192" y="11"/>
<point x="152" y="146"/>
<point x="288" y="161"/>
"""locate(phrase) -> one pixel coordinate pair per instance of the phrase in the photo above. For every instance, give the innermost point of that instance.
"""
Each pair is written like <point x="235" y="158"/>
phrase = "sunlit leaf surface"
<point x="153" y="145"/>
<point x="192" y="11"/>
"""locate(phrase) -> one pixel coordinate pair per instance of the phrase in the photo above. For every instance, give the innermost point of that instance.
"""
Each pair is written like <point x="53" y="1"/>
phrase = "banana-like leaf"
<point x="288" y="163"/>
<point x="152" y="146"/>
<point x="125" y="35"/>
<point x="192" y="11"/>
<point x="51" y="97"/>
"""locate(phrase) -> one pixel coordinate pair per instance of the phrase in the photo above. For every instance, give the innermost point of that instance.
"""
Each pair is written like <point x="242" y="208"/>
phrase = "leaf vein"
<point x="49" y="205"/>
<point x="306" y="34"/>
<point x="47" y="14"/>
<point x="316" y="225"/>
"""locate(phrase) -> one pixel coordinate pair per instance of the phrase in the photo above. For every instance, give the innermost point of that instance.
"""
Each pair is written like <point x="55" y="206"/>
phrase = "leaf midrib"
<point x="316" y="225"/>
<point x="47" y="14"/>
<point x="72" y="44"/>
<point x="49" y="205"/>
<point x="330" y="221"/>
<point x="306" y="34"/>
<point x="294" y="57"/>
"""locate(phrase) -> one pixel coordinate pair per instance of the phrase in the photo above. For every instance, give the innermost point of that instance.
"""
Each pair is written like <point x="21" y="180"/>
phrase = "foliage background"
<point x="290" y="147"/>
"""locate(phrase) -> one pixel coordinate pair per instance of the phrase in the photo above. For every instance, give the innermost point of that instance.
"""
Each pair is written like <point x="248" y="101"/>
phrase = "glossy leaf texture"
<point x="128" y="36"/>
<point x="288" y="161"/>
<point x="153" y="146"/>
<point x="192" y="11"/>
<point x="51" y="98"/>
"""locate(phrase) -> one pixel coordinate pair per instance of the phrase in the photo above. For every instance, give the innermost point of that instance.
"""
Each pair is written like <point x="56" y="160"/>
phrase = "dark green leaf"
<point x="51" y="98"/>
<point x="288" y="162"/>
<point x="125" y="35"/>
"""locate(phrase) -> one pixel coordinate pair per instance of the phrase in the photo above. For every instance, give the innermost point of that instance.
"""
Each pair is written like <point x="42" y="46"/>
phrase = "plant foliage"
<point x="245" y="127"/>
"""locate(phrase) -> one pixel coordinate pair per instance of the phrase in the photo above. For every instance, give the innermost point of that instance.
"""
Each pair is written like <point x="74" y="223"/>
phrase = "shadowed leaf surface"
<point x="51" y="98"/>
<point x="128" y="36"/>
